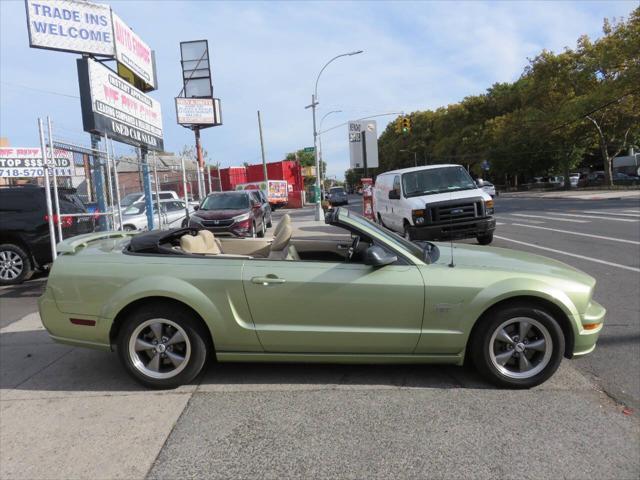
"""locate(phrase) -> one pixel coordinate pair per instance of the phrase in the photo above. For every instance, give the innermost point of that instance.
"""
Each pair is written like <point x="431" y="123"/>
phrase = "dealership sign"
<point x="198" y="111"/>
<point x="70" y="26"/>
<point x="27" y="162"/>
<point x="114" y="107"/>
<point x="363" y="144"/>
<point x="133" y="53"/>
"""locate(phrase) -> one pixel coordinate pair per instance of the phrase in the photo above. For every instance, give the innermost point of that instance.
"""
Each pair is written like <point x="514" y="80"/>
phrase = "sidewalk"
<point x="304" y="224"/>
<point x="576" y="194"/>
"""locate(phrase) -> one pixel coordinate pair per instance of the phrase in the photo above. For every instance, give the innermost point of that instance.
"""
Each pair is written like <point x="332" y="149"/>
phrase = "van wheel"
<point x="407" y="231"/>
<point x="485" y="239"/>
<point x="15" y="265"/>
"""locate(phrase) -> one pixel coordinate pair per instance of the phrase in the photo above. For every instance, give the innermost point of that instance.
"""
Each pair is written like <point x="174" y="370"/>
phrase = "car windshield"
<point x="436" y="180"/>
<point x="337" y="190"/>
<point x="137" y="208"/>
<point x="225" y="201"/>
<point x="130" y="198"/>
<point x="388" y="235"/>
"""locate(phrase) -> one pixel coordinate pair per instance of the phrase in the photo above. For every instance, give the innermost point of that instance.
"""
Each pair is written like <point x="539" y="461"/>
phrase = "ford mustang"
<point x="168" y="301"/>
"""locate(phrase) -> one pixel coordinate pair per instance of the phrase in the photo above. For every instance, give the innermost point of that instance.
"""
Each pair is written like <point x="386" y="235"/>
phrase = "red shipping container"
<point x="232" y="176"/>
<point x="295" y="199"/>
<point x="255" y="173"/>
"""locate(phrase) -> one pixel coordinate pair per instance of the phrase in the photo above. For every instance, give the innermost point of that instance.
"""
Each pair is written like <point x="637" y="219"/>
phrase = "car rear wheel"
<point x="485" y="239"/>
<point x="263" y="228"/>
<point x="270" y="222"/>
<point x="15" y="265"/>
<point x="162" y="346"/>
<point x="517" y="346"/>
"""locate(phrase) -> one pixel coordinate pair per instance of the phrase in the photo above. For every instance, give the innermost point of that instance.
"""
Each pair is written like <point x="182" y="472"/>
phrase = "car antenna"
<point x="451" y="264"/>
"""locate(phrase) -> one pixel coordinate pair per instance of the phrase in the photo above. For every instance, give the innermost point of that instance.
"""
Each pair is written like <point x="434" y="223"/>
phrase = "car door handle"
<point x="268" y="280"/>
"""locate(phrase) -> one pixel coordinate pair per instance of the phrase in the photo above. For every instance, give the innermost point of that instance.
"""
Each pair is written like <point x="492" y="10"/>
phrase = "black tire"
<point x="195" y="331"/>
<point x="483" y="346"/>
<point x="485" y="239"/>
<point x="263" y="228"/>
<point x="407" y="232"/>
<point x="129" y="228"/>
<point x="270" y="222"/>
<point x="15" y="264"/>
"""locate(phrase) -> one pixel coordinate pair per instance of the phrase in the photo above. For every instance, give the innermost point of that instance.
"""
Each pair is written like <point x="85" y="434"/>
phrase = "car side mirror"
<point x="394" y="195"/>
<point x="480" y="183"/>
<point x="196" y="207"/>
<point x="376" y="256"/>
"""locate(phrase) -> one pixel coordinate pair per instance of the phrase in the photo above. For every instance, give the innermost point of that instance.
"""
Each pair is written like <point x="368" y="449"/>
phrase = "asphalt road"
<point x="73" y="413"/>
<point x="602" y="238"/>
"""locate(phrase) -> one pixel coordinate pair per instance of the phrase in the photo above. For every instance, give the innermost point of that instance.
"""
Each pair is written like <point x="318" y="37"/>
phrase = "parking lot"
<point x="69" y="413"/>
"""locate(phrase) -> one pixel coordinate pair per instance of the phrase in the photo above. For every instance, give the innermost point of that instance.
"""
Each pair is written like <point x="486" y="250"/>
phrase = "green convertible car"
<point x="167" y="301"/>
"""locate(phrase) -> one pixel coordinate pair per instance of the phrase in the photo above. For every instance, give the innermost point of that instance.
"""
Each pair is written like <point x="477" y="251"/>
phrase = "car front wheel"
<point x="162" y="346"/>
<point x="15" y="265"/>
<point x="517" y="346"/>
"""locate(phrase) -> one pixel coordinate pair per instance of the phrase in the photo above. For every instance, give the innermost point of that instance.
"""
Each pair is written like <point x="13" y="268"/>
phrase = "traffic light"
<point x="406" y="125"/>
<point x="398" y="125"/>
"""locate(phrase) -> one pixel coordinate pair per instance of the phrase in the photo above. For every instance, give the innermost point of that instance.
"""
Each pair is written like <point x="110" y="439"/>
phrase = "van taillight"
<point x="66" y="221"/>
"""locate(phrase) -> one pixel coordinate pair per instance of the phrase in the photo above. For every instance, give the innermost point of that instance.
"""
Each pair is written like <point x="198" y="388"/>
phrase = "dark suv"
<point x="233" y="213"/>
<point x="24" y="229"/>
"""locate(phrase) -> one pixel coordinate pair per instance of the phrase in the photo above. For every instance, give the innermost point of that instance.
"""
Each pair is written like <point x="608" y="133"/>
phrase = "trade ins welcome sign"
<point x="70" y="26"/>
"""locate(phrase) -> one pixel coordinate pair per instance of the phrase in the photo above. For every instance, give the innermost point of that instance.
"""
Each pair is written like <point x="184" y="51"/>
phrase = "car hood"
<point x="475" y="256"/>
<point x="219" y="214"/>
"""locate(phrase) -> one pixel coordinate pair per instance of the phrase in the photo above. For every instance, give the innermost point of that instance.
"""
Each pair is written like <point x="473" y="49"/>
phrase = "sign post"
<point x="52" y="163"/>
<point x="47" y="192"/>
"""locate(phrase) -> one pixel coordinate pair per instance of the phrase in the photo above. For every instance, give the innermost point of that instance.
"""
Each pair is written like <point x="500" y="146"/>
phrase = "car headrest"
<point x="285" y="220"/>
<point x="192" y="244"/>
<point x="281" y="241"/>
<point x="209" y="241"/>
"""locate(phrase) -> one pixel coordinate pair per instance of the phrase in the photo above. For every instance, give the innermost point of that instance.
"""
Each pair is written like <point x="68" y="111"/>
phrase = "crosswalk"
<point x="631" y="216"/>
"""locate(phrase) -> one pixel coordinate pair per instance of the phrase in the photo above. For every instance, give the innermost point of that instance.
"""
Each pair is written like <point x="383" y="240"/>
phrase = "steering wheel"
<point x="352" y="248"/>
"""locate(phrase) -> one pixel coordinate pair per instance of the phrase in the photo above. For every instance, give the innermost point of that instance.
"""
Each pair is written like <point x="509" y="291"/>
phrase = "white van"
<point x="436" y="202"/>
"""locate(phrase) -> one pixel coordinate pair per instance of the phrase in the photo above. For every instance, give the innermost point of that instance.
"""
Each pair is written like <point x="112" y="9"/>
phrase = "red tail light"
<point x="65" y="222"/>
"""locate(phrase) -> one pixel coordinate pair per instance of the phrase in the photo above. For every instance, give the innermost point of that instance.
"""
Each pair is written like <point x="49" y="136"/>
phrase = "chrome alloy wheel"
<point x="520" y="347"/>
<point x="159" y="348"/>
<point x="11" y="265"/>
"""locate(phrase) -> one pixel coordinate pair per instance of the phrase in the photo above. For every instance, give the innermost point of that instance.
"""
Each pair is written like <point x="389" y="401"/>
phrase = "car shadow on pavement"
<point x="31" y="361"/>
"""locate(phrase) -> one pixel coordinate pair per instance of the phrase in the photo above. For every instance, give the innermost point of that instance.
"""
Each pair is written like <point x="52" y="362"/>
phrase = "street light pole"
<point x="320" y="134"/>
<point x="314" y="103"/>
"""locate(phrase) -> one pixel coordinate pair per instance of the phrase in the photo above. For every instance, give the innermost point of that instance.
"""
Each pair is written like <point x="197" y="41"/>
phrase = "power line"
<point x="50" y="92"/>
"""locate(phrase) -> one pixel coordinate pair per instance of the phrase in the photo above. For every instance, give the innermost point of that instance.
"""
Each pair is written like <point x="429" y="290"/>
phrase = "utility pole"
<point x="264" y="160"/>
<point x="363" y="140"/>
<point x="196" y="130"/>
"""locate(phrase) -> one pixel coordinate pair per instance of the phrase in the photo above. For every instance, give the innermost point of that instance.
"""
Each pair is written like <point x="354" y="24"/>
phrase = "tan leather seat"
<point x="285" y="220"/>
<point x="210" y="241"/>
<point x="196" y="244"/>
<point x="280" y="246"/>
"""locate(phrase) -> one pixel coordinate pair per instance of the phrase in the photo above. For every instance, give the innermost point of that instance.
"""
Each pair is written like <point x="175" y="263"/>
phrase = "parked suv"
<point x="435" y="202"/>
<point x="236" y="213"/>
<point x="24" y="229"/>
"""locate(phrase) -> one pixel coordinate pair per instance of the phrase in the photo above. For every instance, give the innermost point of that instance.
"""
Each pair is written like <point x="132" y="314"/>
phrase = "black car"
<point x="24" y="229"/>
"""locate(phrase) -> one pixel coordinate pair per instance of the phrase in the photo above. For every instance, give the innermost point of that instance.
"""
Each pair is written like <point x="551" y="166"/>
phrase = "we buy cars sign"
<point x="114" y="107"/>
<point x="27" y="162"/>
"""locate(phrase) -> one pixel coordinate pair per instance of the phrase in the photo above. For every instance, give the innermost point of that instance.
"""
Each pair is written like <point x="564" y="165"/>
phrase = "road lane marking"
<point x="499" y="223"/>
<point x="550" y="218"/>
<point x="596" y="216"/>
<point x="633" y="242"/>
<point x="613" y="213"/>
<point x="631" y="211"/>
<point x="590" y="259"/>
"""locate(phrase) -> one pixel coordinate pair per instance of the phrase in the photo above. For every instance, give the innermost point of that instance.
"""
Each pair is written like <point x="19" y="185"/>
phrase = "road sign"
<point x="358" y="130"/>
<point x="309" y="149"/>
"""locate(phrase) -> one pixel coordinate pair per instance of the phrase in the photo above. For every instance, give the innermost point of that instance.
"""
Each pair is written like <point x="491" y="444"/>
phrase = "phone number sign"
<point x="27" y="162"/>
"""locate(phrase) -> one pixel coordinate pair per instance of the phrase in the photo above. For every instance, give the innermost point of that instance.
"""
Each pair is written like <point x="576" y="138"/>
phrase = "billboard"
<point x="70" y="26"/>
<point x="368" y="130"/>
<point x="198" y="111"/>
<point x="27" y="162"/>
<point x="112" y="106"/>
<point x="133" y="53"/>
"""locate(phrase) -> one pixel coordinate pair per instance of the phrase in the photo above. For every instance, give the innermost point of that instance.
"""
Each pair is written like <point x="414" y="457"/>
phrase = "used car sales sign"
<point x="114" y="107"/>
<point x="27" y="162"/>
